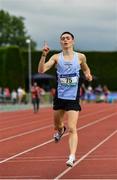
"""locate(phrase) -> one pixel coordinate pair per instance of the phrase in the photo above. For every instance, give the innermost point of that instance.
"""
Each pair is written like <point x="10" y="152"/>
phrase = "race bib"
<point x="69" y="80"/>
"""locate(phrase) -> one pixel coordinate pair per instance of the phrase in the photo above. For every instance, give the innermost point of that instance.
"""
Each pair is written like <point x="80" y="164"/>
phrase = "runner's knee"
<point x="72" y="130"/>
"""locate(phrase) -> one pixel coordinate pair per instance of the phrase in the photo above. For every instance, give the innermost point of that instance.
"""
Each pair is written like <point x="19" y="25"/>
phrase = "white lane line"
<point x="19" y="116"/>
<point x="23" y="124"/>
<point x="94" y="122"/>
<point x="25" y="133"/>
<point x="39" y="157"/>
<point x="95" y="112"/>
<point x="86" y="155"/>
<point x="26" y="178"/>
<point x="45" y="127"/>
<point x="38" y="177"/>
<point x="17" y="126"/>
<point x="98" y="120"/>
<point x="26" y="151"/>
<point x="51" y="140"/>
<point x="81" y="116"/>
<point x="91" y="157"/>
<point x="101" y="159"/>
<point x="101" y="176"/>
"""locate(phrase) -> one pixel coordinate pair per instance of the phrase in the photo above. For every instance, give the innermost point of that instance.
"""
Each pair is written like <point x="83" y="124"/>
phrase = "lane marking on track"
<point x="20" y="118"/>
<point x="101" y="176"/>
<point x="81" y="116"/>
<point x="88" y="114"/>
<point x="98" y="120"/>
<point x="38" y="177"/>
<point x="23" y="124"/>
<point x="58" y="160"/>
<point x="25" y="178"/>
<point x="25" y="133"/>
<point x="26" y="151"/>
<point x="51" y="140"/>
<point x="45" y="127"/>
<point x="86" y="155"/>
<point x="14" y="117"/>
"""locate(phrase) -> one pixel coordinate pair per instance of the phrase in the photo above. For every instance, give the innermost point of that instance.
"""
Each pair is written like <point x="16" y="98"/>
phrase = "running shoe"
<point x="59" y="134"/>
<point x="70" y="161"/>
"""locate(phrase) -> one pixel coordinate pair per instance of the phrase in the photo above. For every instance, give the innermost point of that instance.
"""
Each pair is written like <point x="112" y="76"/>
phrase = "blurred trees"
<point x="12" y="31"/>
<point x="14" y="67"/>
<point x="11" y="67"/>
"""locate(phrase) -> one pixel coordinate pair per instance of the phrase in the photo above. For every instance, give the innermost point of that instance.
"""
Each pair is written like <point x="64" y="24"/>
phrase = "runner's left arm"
<point x="85" y="68"/>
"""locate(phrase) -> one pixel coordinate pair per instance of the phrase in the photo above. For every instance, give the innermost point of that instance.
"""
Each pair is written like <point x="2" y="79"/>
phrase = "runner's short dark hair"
<point x="66" y="32"/>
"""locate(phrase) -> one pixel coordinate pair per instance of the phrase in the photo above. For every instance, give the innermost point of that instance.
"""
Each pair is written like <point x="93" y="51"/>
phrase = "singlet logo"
<point x="68" y="66"/>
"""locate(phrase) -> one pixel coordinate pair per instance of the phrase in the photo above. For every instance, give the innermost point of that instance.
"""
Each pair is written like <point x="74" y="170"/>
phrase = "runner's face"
<point x="66" y="41"/>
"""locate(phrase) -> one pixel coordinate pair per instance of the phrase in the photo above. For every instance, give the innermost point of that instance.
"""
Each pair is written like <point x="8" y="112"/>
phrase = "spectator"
<point x="99" y="93"/>
<point x="7" y="94"/>
<point x="14" y="96"/>
<point x="20" y="94"/>
<point x="36" y="91"/>
<point x="82" y="92"/>
<point x="106" y="92"/>
<point x="89" y="92"/>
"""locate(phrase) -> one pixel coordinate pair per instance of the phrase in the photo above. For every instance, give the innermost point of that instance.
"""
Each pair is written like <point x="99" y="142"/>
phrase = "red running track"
<point x="27" y="149"/>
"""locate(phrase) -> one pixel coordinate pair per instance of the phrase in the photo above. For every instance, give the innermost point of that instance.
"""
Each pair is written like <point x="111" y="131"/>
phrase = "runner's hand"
<point x="45" y="49"/>
<point x="88" y="77"/>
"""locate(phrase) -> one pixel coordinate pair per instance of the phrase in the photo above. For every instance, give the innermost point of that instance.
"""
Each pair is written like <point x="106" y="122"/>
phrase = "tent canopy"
<point x="39" y="76"/>
<point x="46" y="81"/>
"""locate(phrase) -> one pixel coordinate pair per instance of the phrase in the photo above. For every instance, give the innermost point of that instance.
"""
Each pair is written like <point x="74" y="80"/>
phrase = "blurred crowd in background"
<point x="87" y="94"/>
<point x="20" y="96"/>
<point x="97" y="94"/>
<point x="14" y="96"/>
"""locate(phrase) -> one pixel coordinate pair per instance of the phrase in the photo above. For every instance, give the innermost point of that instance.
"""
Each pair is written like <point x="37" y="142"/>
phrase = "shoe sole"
<point x="70" y="164"/>
<point x="57" y="140"/>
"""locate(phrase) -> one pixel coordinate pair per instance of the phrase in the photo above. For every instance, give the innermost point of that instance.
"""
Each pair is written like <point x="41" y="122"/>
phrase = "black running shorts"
<point x="67" y="105"/>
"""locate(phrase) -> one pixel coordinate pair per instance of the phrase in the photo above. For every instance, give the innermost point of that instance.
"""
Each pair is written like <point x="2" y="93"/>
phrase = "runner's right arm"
<point x="44" y="66"/>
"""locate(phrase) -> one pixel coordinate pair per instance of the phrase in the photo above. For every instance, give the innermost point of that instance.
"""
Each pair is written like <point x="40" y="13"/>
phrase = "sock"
<point x="72" y="156"/>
